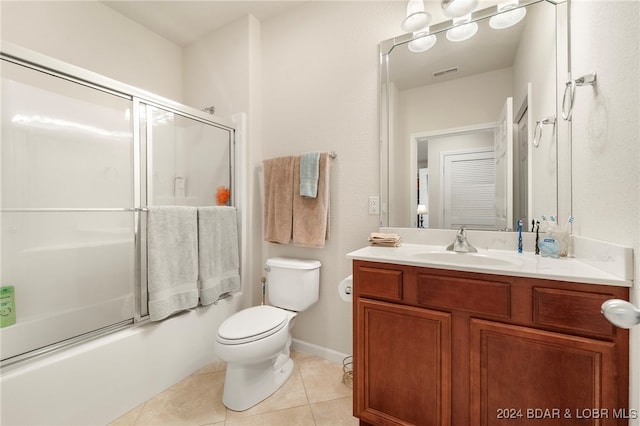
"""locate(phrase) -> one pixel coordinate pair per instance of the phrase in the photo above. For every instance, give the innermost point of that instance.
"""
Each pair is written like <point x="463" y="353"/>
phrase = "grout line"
<point x="135" y="422"/>
<point x="304" y="386"/>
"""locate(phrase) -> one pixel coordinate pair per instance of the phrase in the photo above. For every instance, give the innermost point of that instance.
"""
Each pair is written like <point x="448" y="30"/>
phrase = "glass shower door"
<point x="188" y="160"/>
<point x="67" y="203"/>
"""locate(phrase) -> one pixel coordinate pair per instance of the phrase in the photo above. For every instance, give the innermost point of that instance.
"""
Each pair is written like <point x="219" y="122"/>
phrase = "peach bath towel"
<point x="278" y="199"/>
<point x="311" y="215"/>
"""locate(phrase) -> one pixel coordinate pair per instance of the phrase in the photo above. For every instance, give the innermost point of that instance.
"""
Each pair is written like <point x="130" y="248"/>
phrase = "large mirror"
<point x="470" y="129"/>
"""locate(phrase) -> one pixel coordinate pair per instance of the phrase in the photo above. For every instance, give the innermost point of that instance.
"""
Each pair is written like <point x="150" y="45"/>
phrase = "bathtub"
<point x="96" y="382"/>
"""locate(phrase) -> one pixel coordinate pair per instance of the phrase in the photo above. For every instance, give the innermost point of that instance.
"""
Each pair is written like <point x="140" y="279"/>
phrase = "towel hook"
<point x="570" y="89"/>
<point x="537" y="134"/>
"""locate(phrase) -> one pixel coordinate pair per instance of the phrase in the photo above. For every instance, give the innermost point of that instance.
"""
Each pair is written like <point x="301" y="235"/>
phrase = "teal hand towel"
<point x="309" y="171"/>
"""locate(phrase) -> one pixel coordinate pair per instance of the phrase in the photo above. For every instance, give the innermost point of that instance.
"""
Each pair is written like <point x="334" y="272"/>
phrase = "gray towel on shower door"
<point x="172" y="242"/>
<point x="218" y="256"/>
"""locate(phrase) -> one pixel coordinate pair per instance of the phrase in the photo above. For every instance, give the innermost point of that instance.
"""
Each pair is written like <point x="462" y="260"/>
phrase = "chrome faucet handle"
<point x="460" y="244"/>
<point x="470" y="248"/>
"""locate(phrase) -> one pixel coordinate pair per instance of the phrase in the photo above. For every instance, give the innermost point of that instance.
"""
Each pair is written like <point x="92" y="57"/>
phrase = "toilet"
<point x="255" y="342"/>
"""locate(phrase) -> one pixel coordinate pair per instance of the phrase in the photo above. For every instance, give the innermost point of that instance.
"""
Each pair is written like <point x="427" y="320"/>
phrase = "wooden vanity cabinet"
<point x="440" y="347"/>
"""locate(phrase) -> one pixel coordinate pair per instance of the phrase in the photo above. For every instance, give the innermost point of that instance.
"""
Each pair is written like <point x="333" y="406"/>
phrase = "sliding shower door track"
<point x="70" y="343"/>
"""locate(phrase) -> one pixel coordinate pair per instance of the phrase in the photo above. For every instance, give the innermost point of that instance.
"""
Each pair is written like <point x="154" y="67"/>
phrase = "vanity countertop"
<point x="499" y="262"/>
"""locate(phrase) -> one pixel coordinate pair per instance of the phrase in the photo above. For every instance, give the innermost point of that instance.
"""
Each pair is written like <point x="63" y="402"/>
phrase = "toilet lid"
<point x="252" y="324"/>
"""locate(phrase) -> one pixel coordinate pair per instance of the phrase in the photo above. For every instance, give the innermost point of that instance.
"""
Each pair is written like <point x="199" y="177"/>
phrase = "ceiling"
<point x="185" y="21"/>
<point x="488" y="50"/>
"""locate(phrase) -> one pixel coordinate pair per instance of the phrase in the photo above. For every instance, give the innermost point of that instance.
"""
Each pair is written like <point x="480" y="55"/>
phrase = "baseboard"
<point x="319" y="351"/>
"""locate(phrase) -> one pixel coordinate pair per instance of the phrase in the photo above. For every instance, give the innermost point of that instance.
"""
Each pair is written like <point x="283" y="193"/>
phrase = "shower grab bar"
<point x="537" y="134"/>
<point x="75" y="210"/>
<point x="585" y="80"/>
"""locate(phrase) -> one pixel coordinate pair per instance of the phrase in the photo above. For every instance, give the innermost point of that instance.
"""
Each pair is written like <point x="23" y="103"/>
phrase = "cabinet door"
<point x="402" y="365"/>
<point x="522" y="375"/>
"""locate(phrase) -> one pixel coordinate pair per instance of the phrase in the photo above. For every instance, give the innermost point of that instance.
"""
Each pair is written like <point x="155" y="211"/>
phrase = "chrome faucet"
<point x="460" y="244"/>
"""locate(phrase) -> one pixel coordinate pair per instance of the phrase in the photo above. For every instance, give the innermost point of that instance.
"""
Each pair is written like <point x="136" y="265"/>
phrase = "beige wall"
<point x="92" y="36"/>
<point x="606" y="135"/>
<point x="320" y="84"/>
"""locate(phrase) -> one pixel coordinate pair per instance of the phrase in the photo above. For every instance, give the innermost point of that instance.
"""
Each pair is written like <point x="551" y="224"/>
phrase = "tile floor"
<point x="314" y="396"/>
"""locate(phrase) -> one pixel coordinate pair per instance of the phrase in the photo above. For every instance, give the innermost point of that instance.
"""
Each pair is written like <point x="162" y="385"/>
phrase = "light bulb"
<point x="462" y="30"/>
<point x="417" y="18"/>
<point x="507" y="19"/>
<point x="457" y="8"/>
<point x="422" y="42"/>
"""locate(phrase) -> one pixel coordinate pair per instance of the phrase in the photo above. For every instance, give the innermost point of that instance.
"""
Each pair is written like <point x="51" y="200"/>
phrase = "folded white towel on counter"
<point x="172" y="242"/>
<point x="218" y="254"/>
<point x="384" y="240"/>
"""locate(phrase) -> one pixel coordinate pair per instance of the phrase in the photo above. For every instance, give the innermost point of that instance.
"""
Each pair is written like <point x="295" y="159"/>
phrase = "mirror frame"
<point x="563" y="127"/>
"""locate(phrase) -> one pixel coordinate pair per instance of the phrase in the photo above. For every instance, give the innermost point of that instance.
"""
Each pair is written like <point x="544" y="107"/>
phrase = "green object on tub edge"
<point x="7" y="306"/>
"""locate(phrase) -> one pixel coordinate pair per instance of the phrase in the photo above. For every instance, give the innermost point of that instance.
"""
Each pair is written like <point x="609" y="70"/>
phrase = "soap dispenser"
<point x="549" y="244"/>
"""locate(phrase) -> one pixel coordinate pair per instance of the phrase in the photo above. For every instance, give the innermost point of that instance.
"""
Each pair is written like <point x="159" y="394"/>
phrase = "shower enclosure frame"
<point x="141" y="163"/>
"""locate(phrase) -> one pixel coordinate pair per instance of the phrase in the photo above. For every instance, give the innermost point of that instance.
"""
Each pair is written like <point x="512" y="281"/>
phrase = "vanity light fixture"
<point x="462" y="29"/>
<point x="417" y="18"/>
<point x="508" y="15"/>
<point x="422" y="41"/>
<point x="621" y="313"/>
<point x="458" y="8"/>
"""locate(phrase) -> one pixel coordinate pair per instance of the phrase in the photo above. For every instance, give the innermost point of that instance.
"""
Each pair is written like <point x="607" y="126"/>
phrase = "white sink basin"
<point x="468" y="259"/>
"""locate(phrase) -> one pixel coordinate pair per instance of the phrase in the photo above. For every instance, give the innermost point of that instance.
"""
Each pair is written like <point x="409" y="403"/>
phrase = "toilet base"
<point x="247" y="385"/>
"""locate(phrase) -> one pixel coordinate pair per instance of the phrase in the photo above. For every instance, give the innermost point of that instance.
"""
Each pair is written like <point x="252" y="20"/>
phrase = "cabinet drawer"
<point x="571" y="310"/>
<point x="379" y="283"/>
<point x="475" y="296"/>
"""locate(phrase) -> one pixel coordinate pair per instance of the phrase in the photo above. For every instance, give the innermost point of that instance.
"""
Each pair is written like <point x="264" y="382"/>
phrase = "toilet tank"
<point x="292" y="284"/>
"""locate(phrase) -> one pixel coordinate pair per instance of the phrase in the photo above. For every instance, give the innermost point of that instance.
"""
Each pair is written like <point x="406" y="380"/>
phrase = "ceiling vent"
<point x="445" y="72"/>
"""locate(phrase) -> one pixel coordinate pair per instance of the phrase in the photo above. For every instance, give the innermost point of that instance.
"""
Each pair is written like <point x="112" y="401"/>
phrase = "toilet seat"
<point x="252" y="324"/>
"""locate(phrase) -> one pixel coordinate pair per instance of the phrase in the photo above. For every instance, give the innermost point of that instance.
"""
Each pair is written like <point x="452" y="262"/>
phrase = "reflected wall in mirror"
<point x="458" y="123"/>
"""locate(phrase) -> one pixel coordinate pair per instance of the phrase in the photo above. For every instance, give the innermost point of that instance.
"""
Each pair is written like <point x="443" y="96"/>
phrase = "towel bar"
<point x="570" y="89"/>
<point x="537" y="134"/>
